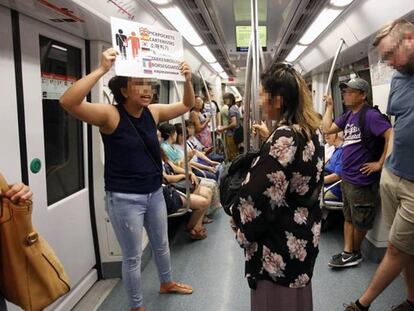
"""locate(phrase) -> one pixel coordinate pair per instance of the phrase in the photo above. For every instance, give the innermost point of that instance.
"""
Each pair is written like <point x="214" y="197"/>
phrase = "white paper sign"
<point x="146" y="51"/>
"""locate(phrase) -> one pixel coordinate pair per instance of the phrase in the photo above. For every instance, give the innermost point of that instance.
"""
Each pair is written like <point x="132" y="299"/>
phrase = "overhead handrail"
<point x="338" y="51"/>
<point x="213" y="117"/>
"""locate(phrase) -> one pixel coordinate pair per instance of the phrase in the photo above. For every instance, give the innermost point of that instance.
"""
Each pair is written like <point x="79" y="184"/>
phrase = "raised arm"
<point x="162" y="112"/>
<point x="329" y="127"/>
<point x="73" y="99"/>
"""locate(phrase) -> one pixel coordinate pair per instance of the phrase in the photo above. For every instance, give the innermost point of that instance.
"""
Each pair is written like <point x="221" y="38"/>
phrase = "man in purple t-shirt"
<point x="360" y="170"/>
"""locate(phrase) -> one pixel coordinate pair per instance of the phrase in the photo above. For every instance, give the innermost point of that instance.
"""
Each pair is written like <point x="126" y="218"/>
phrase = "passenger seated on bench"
<point x="200" y="197"/>
<point x="194" y="143"/>
<point x="333" y="168"/>
<point x="169" y="136"/>
<point x="197" y="156"/>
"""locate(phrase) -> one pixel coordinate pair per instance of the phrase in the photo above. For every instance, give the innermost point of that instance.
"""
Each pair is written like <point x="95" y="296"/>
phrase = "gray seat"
<point x="331" y="204"/>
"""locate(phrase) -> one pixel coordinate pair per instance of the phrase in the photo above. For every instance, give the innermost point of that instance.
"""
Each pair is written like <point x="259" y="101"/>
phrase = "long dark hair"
<point x="115" y="85"/>
<point x="283" y="80"/>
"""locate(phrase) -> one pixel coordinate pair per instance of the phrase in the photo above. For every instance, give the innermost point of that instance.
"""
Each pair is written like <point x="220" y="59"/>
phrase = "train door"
<point x="57" y="150"/>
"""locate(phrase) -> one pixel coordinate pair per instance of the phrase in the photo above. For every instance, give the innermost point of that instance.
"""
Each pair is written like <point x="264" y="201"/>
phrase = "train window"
<point x="63" y="134"/>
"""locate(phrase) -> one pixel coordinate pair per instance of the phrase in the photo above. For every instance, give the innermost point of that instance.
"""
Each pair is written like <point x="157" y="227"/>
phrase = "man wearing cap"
<point x="361" y="169"/>
<point x="395" y="44"/>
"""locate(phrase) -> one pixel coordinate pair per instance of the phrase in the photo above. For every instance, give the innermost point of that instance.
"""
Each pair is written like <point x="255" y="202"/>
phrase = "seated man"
<point x="333" y="168"/>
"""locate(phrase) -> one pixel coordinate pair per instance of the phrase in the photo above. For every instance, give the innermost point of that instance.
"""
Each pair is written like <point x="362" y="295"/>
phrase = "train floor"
<point x="214" y="267"/>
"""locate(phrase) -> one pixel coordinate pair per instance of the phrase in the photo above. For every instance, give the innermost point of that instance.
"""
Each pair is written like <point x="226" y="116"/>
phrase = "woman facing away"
<point x="133" y="169"/>
<point x="277" y="219"/>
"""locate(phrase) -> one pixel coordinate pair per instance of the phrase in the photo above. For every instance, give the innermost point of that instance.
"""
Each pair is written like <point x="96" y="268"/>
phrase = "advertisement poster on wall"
<point x="146" y="51"/>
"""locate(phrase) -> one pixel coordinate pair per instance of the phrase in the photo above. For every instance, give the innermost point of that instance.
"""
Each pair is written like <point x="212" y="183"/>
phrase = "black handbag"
<point x="181" y="186"/>
<point x="172" y="199"/>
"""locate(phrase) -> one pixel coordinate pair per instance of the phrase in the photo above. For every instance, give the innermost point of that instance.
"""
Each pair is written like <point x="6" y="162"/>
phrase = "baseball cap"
<point x="357" y="84"/>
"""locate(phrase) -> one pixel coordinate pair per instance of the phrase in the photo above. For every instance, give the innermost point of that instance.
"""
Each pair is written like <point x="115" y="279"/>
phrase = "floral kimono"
<point x="278" y="216"/>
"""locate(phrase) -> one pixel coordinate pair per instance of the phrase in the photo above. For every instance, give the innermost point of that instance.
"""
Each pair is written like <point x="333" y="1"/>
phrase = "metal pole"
<point x="213" y="116"/>
<point x="256" y="69"/>
<point x="341" y="43"/>
<point x="247" y="100"/>
<point x="187" y="175"/>
<point x="262" y="59"/>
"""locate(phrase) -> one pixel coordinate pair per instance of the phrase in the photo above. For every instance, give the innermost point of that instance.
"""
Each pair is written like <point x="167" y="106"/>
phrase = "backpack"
<point x="232" y="177"/>
<point x="375" y="146"/>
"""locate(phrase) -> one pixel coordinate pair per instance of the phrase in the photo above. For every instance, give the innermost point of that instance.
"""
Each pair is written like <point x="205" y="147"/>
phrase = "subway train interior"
<point x="47" y="46"/>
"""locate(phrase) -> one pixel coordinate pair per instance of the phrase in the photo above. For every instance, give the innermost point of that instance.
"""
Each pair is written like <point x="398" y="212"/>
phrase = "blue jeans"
<point x="129" y="213"/>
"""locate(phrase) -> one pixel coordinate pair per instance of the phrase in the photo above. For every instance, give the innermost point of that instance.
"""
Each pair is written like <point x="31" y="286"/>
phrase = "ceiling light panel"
<point x="205" y="52"/>
<point x="176" y="17"/>
<point x="324" y="19"/>
<point x="341" y="2"/>
<point x="296" y="51"/>
<point x="217" y="67"/>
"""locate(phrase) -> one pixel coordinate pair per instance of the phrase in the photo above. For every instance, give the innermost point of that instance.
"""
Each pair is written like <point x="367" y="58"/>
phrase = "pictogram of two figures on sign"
<point x="122" y="41"/>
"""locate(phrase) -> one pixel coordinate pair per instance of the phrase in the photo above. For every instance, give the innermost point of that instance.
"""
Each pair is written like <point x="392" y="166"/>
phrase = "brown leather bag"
<point x="31" y="276"/>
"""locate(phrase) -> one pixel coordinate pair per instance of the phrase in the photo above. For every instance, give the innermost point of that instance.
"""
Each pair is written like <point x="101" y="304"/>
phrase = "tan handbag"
<point x="31" y="276"/>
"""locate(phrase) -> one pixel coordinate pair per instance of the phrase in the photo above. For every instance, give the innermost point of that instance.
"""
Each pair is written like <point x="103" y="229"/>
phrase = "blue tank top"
<point x="128" y="166"/>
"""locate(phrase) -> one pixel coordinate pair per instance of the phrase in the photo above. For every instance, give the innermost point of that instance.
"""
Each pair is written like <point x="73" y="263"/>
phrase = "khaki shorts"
<point x="360" y="204"/>
<point x="232" y="149"/>
<point x="397" y="196"/>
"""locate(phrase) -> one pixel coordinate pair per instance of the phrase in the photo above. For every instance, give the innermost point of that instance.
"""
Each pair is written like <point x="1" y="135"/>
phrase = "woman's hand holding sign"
<point x="108" y="59"/>
<point x="185" y="71"/>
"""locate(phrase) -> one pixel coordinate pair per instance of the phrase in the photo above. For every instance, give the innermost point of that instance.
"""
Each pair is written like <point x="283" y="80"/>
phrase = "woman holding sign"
<point x="133" y="169"/>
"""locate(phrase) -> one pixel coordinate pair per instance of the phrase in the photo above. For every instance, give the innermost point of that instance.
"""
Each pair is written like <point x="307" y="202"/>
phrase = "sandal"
<point x="207" y="220"/>
<point x="176" y="288"/>
<point x="200" y="234"/>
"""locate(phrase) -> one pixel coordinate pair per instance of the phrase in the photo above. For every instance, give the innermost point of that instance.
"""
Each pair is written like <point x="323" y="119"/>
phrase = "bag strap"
<point x="143" y="142"/>
<point x="4" y="187"/>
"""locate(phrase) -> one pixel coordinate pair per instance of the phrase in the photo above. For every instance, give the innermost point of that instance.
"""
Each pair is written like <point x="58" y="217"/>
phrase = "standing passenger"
<point x="201" y="123"/>
<point x="133" y="170"/>
<point x="278" y="218"/>
<point x="395" y="43"/>
<point x="362" y="160"/>
<point x="228" y="130"/>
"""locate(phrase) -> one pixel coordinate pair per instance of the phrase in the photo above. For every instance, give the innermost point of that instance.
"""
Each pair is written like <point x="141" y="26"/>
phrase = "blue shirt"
<point x="172" y="153"/>
<point x="334" y="166"/>
<point x="401" y="105"/>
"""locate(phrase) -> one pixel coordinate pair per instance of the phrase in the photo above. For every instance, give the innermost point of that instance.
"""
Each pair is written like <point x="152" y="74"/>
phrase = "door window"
<point x="63" y="134"/>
